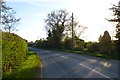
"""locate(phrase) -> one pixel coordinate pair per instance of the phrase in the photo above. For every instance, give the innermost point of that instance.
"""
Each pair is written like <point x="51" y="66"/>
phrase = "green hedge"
<point x="29" y="68"/>
<point x="14" y="51"/>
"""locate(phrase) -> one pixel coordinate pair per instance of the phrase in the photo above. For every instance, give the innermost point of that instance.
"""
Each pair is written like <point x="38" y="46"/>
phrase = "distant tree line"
<point x="58" y="26"/>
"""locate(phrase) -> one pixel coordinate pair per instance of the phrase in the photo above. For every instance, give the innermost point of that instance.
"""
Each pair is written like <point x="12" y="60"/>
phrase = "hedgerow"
<point x="14" y="51"/>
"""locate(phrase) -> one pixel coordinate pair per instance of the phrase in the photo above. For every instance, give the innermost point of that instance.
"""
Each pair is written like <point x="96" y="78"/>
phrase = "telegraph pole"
<point x="72" y="33"/>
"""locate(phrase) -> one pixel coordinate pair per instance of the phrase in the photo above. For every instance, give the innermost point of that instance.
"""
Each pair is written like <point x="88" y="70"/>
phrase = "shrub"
<point x="14" y="51"/>
<point x="94" y="47"/>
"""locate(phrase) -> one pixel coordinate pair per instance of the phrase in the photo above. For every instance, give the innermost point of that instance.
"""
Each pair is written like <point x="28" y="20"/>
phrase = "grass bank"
<point x="30" y="68"/>
<point x="103" y="56"/>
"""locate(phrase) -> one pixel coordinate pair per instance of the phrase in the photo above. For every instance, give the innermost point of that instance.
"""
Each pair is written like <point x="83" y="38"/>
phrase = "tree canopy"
<point x="9" y="21"/>
<point x="105" y="43"/>
<point x="55" y="25"/>
<point x="59" y="25"/>
<point x="116" y="13"/>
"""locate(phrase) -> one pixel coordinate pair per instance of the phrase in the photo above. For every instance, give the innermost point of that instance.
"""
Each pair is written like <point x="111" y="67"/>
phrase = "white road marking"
<point x="95" y="71"/>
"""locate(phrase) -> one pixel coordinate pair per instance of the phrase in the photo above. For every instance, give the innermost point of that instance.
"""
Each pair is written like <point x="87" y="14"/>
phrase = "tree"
<point x="116" y="13"/>
<point x="50" y="40"/>
<point x="78" y="29"/>
<point x="9" y="21"/>
<point x="105" y="43"/>
<point x="59" y="25"/>
<point x="75" y="30"/>
<point x="55" y="25"/>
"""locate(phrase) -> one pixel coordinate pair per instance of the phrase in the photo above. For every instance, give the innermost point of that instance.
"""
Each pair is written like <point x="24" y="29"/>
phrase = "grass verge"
<point x="30" y="68"/>
<point x="103" y="56"/>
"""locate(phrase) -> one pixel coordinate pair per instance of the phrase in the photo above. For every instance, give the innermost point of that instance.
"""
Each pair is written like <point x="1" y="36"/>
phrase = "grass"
<point x="103" y="56"/>
<point x="30" y="68"/>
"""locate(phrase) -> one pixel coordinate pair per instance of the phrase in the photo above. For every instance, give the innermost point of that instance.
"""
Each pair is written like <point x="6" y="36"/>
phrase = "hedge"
<point x="14" y="51"/>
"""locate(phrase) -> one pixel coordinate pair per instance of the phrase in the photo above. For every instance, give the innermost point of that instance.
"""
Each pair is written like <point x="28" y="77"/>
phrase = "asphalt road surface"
<point x="56" y="64"/>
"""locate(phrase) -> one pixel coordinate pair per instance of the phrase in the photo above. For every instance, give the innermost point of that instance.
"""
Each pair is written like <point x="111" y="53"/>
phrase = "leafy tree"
<point x="105" y="43"/>
<point x="55" y="25"/>
<point x="59" y="25"/>
<point x="9" y="21"/>
<point x="116" y="12"/>
<point x="49" y="40"/>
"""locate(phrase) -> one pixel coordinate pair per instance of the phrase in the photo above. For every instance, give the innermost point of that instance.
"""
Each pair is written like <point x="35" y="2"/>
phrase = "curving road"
<point x="58" y="64"/>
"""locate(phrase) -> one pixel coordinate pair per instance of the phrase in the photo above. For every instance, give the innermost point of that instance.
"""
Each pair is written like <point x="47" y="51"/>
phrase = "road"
<point x="56" y="64"/>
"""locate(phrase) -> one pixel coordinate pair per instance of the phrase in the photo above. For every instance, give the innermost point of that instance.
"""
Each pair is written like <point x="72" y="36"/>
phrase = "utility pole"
<point x="72" y="33"/>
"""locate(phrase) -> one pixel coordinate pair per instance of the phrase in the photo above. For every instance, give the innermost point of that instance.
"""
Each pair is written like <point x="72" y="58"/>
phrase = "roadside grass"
<point x="85" y="52"/>
<point x="103" y="56"/>
<point x="30" y="68"/>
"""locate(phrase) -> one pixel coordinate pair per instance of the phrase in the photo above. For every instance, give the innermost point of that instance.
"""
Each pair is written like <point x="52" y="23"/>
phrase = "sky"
<point x="89" y="13"/>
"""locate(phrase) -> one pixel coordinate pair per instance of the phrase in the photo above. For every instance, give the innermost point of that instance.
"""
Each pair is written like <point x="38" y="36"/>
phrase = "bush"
<point x="94" y="47"/>
<point x="67" y="43"/>
<point x="14" y="51"/>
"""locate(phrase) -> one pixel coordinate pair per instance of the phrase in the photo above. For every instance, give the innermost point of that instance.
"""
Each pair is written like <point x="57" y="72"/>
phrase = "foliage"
<point x="113" y="47"/>
<point x="116" y="13"/>
<point x="91" y="46"/>
<point x="104" y="56"/>
<point x="14" y="51"/>
<point x="42" y="43"/>
<point x="9" y="21"/>
<point x="78" y="44"/>
<point x="67" y="43"/>
<point x="55" y="25"/>
<point x="59" y="26"/>
<point x="94" y="47"/>
<point x="98" y="55"/>
<point x="88" y="44"/>
<point x="28" y="68"/>
<point x="105" y="43"/>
